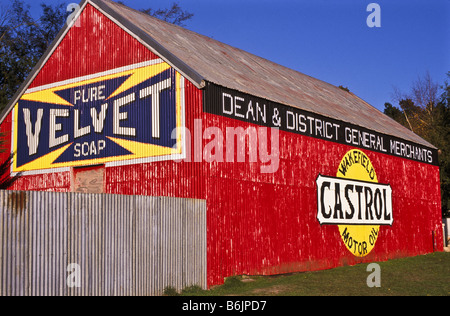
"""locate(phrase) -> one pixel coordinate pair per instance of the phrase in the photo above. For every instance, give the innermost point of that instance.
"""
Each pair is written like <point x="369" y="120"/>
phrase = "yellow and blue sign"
<point x="127" y="115"/>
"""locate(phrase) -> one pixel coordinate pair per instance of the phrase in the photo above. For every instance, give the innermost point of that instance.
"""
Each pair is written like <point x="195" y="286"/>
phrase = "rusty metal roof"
<point x="200" y="58"/>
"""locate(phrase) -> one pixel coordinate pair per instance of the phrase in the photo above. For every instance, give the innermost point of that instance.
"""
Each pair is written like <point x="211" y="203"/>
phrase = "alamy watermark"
<point x="231" y="144"/>
<point x="374" y="278"/>
<point x="74" y="8"/>
<point x="74" y="278"/>
<point x="374" y="18"/>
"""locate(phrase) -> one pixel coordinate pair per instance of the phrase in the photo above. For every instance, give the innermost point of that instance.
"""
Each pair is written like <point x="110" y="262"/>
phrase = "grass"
<point x="416" y="276"/>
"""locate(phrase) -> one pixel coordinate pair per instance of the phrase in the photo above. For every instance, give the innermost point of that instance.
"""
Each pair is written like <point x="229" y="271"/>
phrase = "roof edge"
<point x="424" y="142"/>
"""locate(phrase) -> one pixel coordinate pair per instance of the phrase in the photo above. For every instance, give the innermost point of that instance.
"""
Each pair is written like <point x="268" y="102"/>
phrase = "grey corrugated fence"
<point x="120" y="245"/>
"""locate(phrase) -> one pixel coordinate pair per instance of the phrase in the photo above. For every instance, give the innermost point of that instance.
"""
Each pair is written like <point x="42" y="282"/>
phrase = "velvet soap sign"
<point x="124" y="115"/>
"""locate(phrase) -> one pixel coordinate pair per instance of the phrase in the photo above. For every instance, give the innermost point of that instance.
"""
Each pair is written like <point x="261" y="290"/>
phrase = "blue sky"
<point x="329" y="39"/>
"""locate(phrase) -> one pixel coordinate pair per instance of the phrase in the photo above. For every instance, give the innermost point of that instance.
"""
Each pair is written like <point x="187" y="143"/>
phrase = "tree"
<point x="175" y="14"/>
<point x="426" y="111"/>
<point x="395" y="113"/>
<point x="443" y="143"/>
<point x="5" y="178"/>
<point x="23" y="39"/>
<point x="15" y="49"/>
<point x="419" y="106"/>
<point x="344" y="88"/>
<point x="50" y="23"/>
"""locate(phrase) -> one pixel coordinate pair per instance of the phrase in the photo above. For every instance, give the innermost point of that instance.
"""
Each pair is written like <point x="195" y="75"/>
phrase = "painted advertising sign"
<point x="237" y="105"/>
<point x="355" y="202"/>
<point x="122" y="116"/>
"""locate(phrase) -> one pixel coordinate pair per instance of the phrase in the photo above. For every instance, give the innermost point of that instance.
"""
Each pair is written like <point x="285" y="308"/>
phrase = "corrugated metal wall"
<point x="98" y="41"/>
<point x="267" y="223"/>
<point x="124" y="245"/>
<point x="257" y="223"/>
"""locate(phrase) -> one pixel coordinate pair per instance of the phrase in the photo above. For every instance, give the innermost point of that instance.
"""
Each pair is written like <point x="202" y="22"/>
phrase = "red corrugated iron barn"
<point x="297" y="174"/>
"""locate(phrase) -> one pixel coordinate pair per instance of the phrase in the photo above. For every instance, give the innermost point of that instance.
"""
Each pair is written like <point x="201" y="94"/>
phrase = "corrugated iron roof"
<point x="200" y="58"/>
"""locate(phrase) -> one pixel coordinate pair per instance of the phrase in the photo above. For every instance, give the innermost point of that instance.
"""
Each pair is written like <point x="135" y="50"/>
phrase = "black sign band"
<point x="240" y="106"/>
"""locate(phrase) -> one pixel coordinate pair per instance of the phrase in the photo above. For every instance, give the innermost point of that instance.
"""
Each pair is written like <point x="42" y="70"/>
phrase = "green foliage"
<point x="23" y="40"/>
<point x="233" y="282"/>
<point x="415" y="276"/>
<point x="442" y="139"/>
<point x="395" y="113"/>
<point x="170" y="291"/>
<point x="5" y="179"/>
<point x="426" y="112"/>
<point x="187" y="291"/>
<point x="192" y="290"/>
